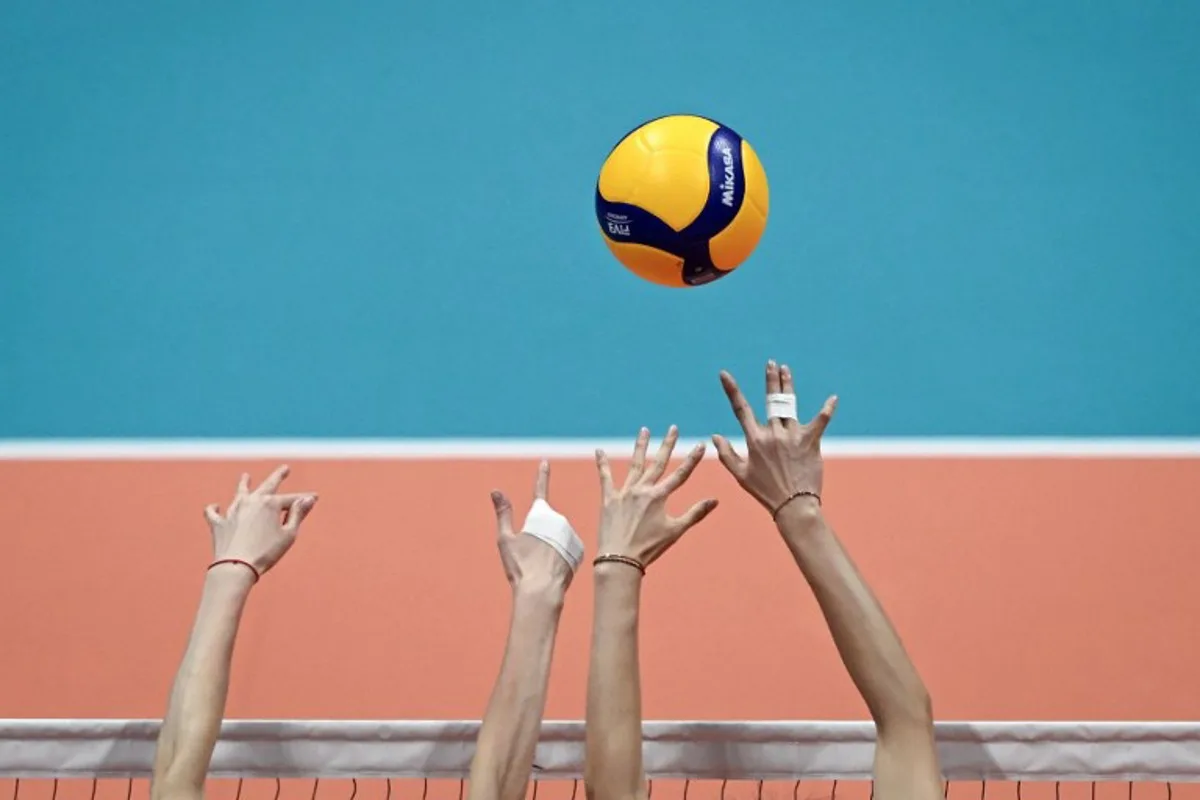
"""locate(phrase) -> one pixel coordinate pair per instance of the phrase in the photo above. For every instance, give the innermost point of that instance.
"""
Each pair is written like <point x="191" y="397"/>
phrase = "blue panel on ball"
<point x="631" y="224"/>
<point x="726" y="186"/>
<point x="623" y="222"/>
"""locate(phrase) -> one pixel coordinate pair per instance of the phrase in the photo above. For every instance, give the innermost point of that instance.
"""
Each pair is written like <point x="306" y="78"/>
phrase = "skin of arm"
<point x="784" y="471"/>
<point x="259" y="527"/>
<point x="197" y="701"/>
<point x="634" y="526"/>
<point x="906" y="764"/>
<point x="614" y="694"/>
<point x="539" y="577"/>
<point x="508" y="737"/>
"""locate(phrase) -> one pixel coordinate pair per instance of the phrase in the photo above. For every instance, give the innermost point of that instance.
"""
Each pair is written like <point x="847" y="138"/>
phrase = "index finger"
<point x="737" y="401"/>
<point x="273" y="480"/>
<point x="542" y="490"/>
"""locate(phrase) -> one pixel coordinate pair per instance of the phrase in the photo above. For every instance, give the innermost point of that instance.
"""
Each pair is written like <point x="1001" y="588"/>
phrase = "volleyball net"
<point x="430" y="760"/>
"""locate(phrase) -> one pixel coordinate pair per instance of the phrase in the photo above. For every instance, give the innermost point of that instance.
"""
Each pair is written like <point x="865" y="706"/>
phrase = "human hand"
<point x="260" y="525"/>
<point x="784" y="460"/>
<point x="633" y="521"/>
<point x="531" y="564"/>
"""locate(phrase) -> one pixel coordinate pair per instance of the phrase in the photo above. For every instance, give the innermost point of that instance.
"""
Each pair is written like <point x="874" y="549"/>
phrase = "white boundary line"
<point x="523" y="449"/>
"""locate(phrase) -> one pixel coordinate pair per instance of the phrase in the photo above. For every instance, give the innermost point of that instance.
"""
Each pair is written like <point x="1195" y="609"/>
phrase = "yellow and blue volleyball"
<point x="682" y="201"/>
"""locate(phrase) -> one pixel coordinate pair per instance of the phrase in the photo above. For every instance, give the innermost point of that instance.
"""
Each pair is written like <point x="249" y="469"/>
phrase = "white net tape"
<point x="735" y="751"/>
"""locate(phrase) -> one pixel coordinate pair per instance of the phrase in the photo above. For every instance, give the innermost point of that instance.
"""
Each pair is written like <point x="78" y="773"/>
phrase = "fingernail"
<point x="771" y="363"/>
<point x="785" y="370"/>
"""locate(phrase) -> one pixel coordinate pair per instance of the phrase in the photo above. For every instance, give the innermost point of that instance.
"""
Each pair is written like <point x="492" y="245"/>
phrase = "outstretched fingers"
<point x="786" y="384"/>
<point x="273" y="481"/>
<point x="727" y="455"/>
<point x="503" y="509"/>
<point x="737" y="401"/>
<point x="297" y="511"/>
<point x="605" y="470"/>
<point x="693" y="515"/>
<point x="659" y="467"/>
<point x="774" y="386"/>
<point x="685" y="470"/>
<point x="541" y="490"/>
<point x="821" y="421"/>
<point x="638" y="464"/>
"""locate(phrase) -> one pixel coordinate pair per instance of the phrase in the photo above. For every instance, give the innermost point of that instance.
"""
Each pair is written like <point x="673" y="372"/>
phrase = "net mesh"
<point x="561" y="789"/>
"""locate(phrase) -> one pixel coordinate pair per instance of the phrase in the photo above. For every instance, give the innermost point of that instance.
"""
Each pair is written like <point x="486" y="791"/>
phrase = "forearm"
<point x="508" y="737"/>
<point x="197" y="702"/>
<point x="868" y="644"/>
<point x="614" y="700"/>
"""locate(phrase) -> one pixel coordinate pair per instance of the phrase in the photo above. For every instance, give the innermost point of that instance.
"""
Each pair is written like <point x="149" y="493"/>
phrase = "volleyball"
<point x="682" y="200"/>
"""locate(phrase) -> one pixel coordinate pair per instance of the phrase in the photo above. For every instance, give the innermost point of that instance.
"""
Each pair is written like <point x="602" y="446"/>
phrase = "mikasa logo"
<point x="727" y="186"/>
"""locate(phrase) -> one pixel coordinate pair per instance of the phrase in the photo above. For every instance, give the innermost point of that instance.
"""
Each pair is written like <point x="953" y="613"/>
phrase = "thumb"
<point x="821" y="421"/>
<point x="297" y="511"/>
<point x="503" y="513"/>
<point x="212" y="514"/>
<point x="728" y="457"/>
<point x="694" y="514"/>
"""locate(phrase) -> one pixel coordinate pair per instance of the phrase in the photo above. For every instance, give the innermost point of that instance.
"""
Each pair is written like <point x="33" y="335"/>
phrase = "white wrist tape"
<point x="553" y="528"/>
<point x="781" y="406"/>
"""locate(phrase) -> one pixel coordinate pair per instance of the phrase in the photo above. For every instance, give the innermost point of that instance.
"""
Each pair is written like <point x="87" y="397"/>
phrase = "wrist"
<point x="800" y="516"/>
<point x="230" y="578"/>
<point x="539" y="596"/>
<point x="617" y="574"/>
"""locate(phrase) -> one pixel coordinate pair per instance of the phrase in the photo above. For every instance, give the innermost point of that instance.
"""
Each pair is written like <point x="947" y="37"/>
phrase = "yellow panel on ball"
<point x="649" y="263"/>
<point x="662" y="167"/>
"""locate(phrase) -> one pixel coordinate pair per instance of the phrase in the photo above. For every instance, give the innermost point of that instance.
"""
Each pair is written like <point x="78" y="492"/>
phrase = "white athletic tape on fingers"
<point x="781" y="406"/>
<point x="553" y="528"/>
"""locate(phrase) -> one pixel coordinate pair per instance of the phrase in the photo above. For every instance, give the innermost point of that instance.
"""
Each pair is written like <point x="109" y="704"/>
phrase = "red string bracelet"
<point x="245" y="564"/>
<point x="793" y="496"/>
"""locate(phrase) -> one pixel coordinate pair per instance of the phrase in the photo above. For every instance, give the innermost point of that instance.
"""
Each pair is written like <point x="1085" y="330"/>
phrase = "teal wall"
<point x="375" y="218"/>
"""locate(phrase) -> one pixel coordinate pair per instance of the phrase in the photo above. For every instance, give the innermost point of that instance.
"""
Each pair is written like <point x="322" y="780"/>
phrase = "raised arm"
<point x="784" y="471"/>
<point x="634" y="531"/>
<point x="248" y="540"/>
<point x="539" y="563"/>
